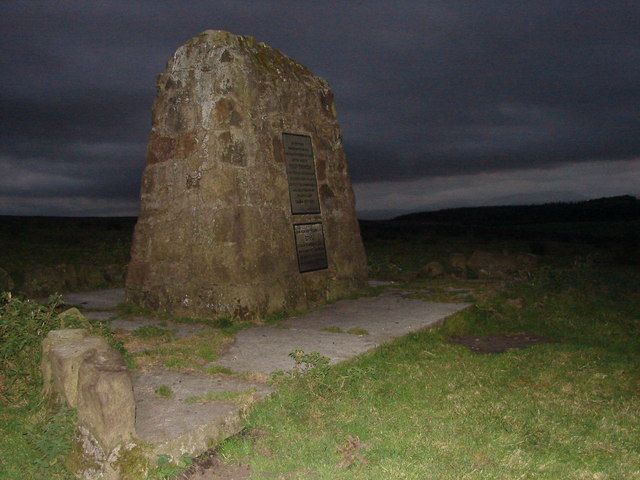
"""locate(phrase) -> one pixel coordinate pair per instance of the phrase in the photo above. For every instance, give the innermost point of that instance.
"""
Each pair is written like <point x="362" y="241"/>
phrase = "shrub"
<point x="23" y="326"/>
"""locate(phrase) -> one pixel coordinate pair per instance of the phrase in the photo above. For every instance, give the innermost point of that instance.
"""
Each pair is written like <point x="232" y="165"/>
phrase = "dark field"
<point x="44" y="255"/>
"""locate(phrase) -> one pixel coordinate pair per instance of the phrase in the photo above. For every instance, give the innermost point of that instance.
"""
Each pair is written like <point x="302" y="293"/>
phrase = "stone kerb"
<point x="84" y="372"/>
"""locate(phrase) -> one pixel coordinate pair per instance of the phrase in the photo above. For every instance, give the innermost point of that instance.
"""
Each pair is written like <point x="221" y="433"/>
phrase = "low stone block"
<point x="106" y="405"/>
<point x="66" y="360"/>
<point x="54" y="339"/>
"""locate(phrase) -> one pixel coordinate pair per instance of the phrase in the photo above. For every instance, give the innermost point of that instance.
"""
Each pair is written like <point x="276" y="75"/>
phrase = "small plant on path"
<point x="164" y="391"/>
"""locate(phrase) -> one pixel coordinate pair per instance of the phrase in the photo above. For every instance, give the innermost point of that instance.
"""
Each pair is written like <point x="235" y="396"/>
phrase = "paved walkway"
<point x="180" y="424"/>
<point x="339" y="331"/>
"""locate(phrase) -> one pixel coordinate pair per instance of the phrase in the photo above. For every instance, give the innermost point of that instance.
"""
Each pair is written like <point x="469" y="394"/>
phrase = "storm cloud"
<point x="428" y="93"/>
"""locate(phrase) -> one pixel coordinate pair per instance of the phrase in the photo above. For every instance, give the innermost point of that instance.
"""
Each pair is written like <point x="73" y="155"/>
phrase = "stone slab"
<point x="179" y="330"/>
<point x="390" y="315"/>
<point x="95" y="300"/>
<point x="175" y="427"/>
<point x="99" y="315"/>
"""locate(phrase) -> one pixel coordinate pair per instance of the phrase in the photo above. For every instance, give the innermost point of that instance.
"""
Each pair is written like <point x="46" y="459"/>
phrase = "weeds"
<point x="332" y="329"/>
<point x="238" y="397"/>
<point x="195" y="352"/>
<point x="357" y="331"/>
<point x="218" y="370"/>
<point x="35" y="437"/>
<point x="152" y="331"/>
<point x="164" y="391"/>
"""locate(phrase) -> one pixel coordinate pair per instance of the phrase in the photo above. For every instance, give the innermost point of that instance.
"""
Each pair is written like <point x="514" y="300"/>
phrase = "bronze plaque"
<point x="312" y="253"/>
<point x="301" y="172"/>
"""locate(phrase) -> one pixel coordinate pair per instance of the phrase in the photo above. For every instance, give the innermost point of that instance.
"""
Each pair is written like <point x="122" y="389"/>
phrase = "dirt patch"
<point x="211" y="467"/>
<point x="498" y="343"/>
<point x="351" y="452"/>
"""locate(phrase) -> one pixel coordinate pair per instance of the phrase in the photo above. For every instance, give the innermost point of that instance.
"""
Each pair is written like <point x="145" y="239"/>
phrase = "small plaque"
<point x="301" y="172"/>
<point x="312" y="253"/>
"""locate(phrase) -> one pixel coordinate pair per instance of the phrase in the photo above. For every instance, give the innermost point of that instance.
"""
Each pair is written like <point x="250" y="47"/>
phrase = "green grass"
<point x="332" y="329"/>
<point x="195" y="352"/>
<point x="224" y="323"/>
<point x="163" y="391"/>
<point x="86" y="245"/>
<point x="224" y="396"/>
<point x="152" y="331"/>
<point x="424" y="408"/>
<point x="276" y="317"/>
<point x="357" y="331"/>
<point x="35" y="436"/>
<point x="218" y="370"/>
<point x="417" y="408"/>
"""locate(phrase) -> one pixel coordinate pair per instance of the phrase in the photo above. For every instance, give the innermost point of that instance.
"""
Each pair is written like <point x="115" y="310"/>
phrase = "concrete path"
<point x="203" y="408"/>
<point x="107" y="299"/>
<point x="200" y="410"/>
<point x="371" y="321"/>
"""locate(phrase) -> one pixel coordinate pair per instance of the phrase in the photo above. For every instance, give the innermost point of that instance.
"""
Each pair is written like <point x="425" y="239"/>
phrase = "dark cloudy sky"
<point x="442" y="103"/>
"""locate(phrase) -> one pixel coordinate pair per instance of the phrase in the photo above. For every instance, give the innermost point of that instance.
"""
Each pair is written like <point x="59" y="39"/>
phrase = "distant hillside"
<point x="622" y="208"/>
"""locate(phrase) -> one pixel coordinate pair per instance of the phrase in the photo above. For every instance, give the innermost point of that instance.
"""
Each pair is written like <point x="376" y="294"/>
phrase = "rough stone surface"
<point x="174" y="426"/>
<point x="177" y="425"/>
<point x="71" y="316"/>
<point x="215" y="230"/>
<point x="87" y="374"/>
<point x="105" y="399"/>
<point x="100" y="316"/>
<point x="177" y="330"/>
<point x="64" y="352"/>
<point x="54" y="340"/>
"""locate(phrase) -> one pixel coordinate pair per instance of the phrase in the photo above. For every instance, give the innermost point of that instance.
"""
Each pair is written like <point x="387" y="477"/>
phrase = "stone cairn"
<point x="246" y="203"/>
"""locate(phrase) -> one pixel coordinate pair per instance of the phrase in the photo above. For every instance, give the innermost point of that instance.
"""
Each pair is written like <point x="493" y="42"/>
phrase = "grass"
<point x="239" y="397"/>
<point x="155" y="345"/>
<point x="357" y="331"/>
<point x="35" y="436"/>
<point x="152" y="331"/>
<point x="423" y="408"/>
<point x="89" y="245"/>
<point x="192" y="353"/>
<point x="218" y="370"/>
<point x="163" y="391"/>
<point x="224" y="323"/>
<point x="332" y="329"/>
<point x="276" y="317"/>
<point x="419" y="407"/>
<point x="352" y="331"/>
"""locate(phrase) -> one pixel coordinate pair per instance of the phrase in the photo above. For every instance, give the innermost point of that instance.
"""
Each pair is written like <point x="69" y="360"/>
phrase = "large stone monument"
<point x="246" y="203"/>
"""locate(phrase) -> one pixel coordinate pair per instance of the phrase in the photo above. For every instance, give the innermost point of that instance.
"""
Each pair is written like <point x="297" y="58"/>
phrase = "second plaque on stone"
<point x="310" y="247"/>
